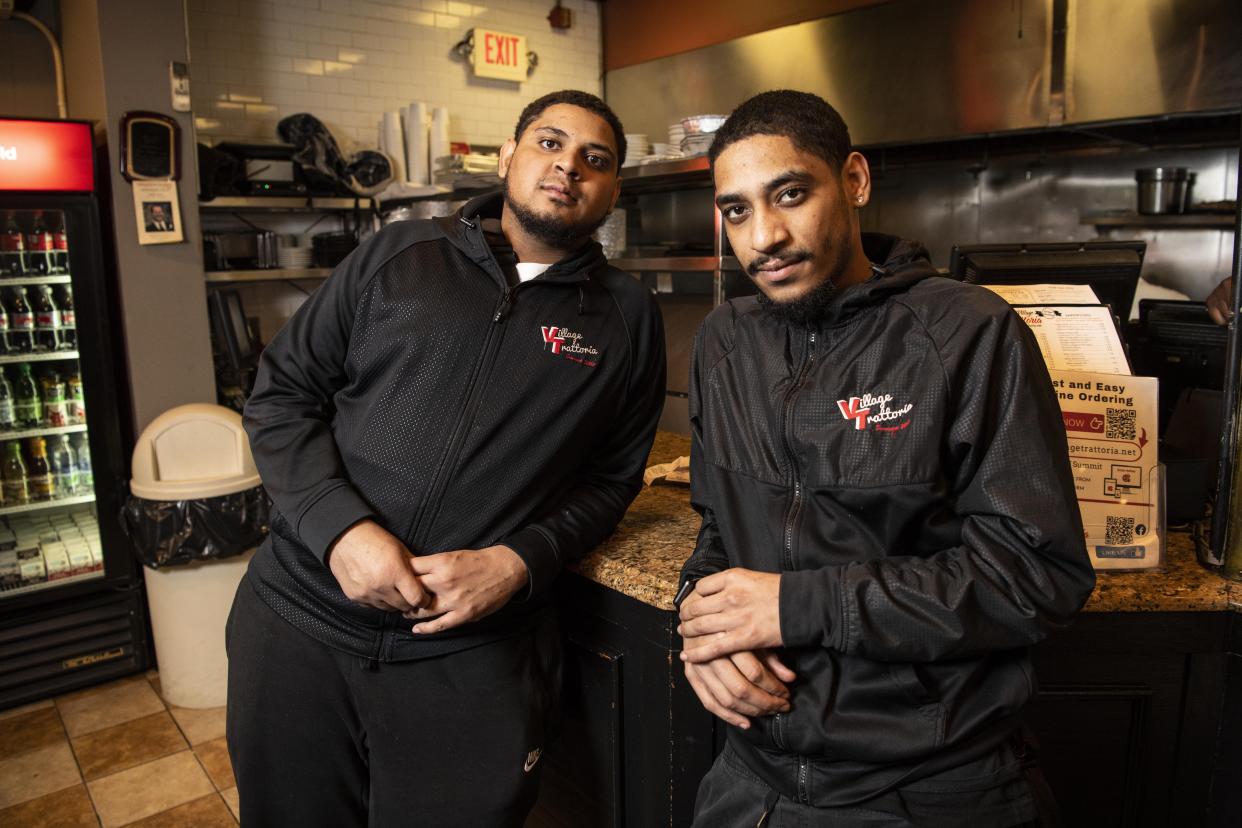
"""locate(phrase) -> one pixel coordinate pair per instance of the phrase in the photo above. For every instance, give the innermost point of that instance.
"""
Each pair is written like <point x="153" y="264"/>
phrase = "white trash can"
<point x="190" y="453"/>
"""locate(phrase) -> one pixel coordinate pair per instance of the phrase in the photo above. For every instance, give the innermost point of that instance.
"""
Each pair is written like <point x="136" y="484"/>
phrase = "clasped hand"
<point x="728" y="625"/>
<point x="447" y="589"/>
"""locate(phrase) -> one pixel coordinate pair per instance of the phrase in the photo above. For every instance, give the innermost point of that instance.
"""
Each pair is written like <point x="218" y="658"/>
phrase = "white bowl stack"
<point x="676" y="134"/>
<point x="637" y="148"/>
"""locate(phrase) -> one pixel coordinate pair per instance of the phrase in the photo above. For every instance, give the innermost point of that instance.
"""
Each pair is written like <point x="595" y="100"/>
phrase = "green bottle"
<point x="16" y="489"/>
<point x="29" y="407"/>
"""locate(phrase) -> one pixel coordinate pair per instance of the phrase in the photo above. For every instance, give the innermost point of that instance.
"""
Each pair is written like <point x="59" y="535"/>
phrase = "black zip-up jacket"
<point x="902" y="463"/>
<point x="418" y="387"/>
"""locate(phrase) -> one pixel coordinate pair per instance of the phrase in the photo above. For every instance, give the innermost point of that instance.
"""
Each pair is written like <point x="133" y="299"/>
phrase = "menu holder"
<point x="1111" y="428"/>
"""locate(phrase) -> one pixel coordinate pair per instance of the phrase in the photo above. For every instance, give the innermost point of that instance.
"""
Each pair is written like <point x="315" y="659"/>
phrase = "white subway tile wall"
<point x="348" y="61"/>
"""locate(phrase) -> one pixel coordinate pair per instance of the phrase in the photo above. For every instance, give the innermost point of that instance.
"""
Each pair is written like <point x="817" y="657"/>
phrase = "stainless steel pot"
<point x="1160" y="190"/>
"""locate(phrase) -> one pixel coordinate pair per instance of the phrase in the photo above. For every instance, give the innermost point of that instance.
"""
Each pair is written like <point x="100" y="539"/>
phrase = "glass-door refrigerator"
<point x="71" y="604"/>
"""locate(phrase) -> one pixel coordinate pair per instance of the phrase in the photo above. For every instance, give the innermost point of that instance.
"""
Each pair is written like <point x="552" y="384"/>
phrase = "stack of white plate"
<point x="676" y="134"/>
<point x="700" y="131"/>
<point x="290" y="254"/>
<point x="637" y="147"/>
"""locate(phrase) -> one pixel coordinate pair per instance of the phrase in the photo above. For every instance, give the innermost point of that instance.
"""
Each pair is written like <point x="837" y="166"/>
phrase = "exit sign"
<point x="499" y="55"/>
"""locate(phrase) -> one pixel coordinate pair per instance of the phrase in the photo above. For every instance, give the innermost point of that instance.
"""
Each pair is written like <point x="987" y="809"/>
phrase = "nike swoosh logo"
<point x="532" y="759"/>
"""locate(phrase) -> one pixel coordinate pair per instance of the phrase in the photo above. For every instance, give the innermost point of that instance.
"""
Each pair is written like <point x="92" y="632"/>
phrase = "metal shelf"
<point x="54" y="279"/>
<point x="43" y="356"/>
<point x="1223" y="221"/>
<point x="45" y="505"/>
<point x="677" y="263"/>
<point x="41" y="432"/>
<point x="282" y="204"/>
<point x="89" y="575"/>
<point x="270" y="274"/>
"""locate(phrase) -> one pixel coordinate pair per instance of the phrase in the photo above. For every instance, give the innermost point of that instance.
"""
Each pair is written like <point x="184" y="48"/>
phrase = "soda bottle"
<point x="27" y="405"/>
<point x="4" y="329"/>
<point x="75" y="399"/>
<point x="86" y="478"/>
<point x="39" y="248"/>
<point x="16" y="488"/>
<point x="12" y="249"/>
<point x="68" y="319"/>
<point x="60" y="249"/>
<point x="39" y="472"/>
<point x="55" y="407"/>
<point x="8" y="412"/>
<point x="47" y="320"/>
<point x="64" y="467"/>
<point x="21" y="322"/>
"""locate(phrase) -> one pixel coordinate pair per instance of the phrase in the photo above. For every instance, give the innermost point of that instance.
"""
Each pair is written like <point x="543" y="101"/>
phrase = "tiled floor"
<point x="115" y="755"/>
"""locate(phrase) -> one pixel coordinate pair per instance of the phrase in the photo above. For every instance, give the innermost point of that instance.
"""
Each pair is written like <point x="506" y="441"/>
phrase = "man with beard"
<point x="888" y="516"/>
<point x="462" y="409"/>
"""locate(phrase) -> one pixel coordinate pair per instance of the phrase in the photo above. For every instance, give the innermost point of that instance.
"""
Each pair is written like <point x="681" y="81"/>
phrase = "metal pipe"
<point x="1227" y="515"/>
<point x="61" y="102"/>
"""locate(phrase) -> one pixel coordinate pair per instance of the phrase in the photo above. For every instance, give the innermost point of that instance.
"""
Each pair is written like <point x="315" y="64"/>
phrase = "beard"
<point x="555" y="232"/>
<point x="810" y="306"/>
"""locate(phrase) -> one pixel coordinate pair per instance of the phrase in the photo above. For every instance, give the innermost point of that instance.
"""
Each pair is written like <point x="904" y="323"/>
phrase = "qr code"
<point x="1118" y="531"/>
<point x="1119" y="423"/>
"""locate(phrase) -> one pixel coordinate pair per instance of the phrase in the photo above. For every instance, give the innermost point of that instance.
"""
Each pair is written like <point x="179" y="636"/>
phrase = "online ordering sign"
<point x="56" y="156"/>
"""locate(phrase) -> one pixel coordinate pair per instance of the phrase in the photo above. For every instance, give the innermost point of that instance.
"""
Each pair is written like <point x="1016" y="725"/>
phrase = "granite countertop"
<point x="643" y="558"/>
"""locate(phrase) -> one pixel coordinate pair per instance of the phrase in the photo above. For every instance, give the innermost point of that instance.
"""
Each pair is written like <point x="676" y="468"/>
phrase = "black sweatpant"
<point x="319" y="737"/>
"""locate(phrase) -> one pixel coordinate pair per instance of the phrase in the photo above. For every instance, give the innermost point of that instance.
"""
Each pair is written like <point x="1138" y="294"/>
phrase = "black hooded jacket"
<point x="902" y="463"/>
<point x="419" y="387"/>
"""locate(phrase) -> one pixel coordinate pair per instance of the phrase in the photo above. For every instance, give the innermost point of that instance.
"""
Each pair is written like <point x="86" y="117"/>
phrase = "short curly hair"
<point x="582" y="100"/>
<point x="807" y="120"/>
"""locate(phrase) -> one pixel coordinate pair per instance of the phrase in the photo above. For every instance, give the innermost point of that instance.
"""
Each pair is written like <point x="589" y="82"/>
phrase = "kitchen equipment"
<point x="332" y="248"/>
<point x="695" y="124"/>
<point x="1188" y="193"/>
<point x="1160" y="189"/>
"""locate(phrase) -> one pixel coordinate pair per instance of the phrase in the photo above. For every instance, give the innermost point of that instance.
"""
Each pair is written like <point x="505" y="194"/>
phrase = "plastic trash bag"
<point x="173" y="532"/>
<point x="365" y="173"/>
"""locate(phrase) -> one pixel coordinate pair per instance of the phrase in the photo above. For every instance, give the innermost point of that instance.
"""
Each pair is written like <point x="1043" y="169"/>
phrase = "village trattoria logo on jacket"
<point x="569" y="344"/>
<point x="875" y="410"/>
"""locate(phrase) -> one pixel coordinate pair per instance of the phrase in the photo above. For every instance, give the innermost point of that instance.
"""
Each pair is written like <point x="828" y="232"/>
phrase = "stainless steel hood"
<point x="917" y="70"/>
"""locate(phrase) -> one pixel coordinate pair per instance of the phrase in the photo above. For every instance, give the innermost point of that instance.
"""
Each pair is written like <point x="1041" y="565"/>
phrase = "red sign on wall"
<point x="499" y="55"/>
<point x="46" y="155"/>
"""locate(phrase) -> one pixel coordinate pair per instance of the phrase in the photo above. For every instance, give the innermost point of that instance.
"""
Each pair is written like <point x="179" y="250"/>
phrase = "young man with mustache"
<point x="888" y="516"/>
<point x="462" y="409"/>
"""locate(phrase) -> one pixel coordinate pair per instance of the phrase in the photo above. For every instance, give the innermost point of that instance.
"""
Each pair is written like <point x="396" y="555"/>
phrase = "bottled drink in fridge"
<point x="8" y="410"/>
<point x="40" y="248"/>
<point x="68" y="319"/>
<point x="28" y="406"/>
<point x="55" y="404"/>
<point x="47" y="320"/>
<point x="4" y="329"/>
<point x="60" y="249"/>
<point x="12" y="248"/>
<point x="76" y="399"/>
<point x="64" y="467"/>
<point x="16" y="489"/>
<point x="21" y="322"/>
<point x="39" y="471"/>
<point x="82" y="449"/>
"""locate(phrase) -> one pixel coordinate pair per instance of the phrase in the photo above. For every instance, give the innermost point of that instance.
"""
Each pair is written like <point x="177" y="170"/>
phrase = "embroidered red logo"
<point x="569" y="344"/>
<point x="852" y="411"/>
<point x="872" y="409"/>
<point x="550" y="337"/>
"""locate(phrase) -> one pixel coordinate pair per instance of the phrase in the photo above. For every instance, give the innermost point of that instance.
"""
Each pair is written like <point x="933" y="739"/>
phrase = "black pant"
<point x="319" y="737"/>
<point x="732" y="796"/>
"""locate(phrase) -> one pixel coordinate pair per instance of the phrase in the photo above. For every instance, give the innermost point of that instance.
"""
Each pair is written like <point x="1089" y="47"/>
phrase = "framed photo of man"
<point x="157" y="212"/>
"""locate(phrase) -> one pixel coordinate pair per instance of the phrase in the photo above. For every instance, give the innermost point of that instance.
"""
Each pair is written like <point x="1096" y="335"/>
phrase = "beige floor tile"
<point x="149" y="789"/>
<point x="30" y="731"/>
<point x="230" y="796"/>
<point x="214" y="756"/>
<point x="208" y="812"/>
<point x="108" y="705"/>
<point x="126" y="745"/>
<point x="199" y="725"/>
<point x="35" y="773"/>
<point x="70" y="808"/>
<point x="24" y="709"/>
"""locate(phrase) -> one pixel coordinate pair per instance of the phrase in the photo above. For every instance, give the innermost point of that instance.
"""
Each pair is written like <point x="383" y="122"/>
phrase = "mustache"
<point x="789" y="258"/>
